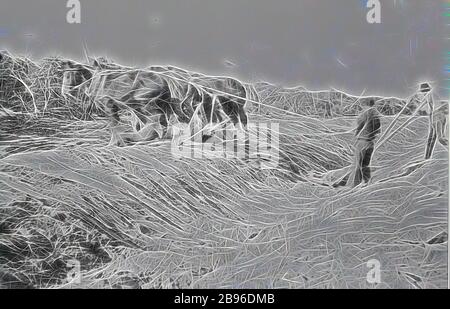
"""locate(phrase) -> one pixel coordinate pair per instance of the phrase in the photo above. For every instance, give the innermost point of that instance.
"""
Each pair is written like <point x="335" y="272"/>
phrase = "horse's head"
<point x="103" y="63"/>
<point x="76" y="78"/>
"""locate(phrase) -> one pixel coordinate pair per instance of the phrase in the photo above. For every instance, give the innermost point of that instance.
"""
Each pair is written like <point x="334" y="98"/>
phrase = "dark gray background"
<point x="316" y="43"/>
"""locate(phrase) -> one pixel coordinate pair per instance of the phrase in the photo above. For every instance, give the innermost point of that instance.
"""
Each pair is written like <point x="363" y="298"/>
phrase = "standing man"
<point x="368" y="127"/>
<point x="328" y="108"/>
<point x="425" y="95"/>
<point x="437" y="124"/>
<point x="438" y="129"/>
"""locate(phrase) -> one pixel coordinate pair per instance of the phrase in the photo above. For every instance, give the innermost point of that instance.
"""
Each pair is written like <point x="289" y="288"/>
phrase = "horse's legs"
<point x="190" y="102"/>
<point x="243" y="118"/>
<point x="154" y="127"/>
<point x="213" y="116"/>
<point x="176" y="109"/>
<point x="165" y="107"/>
<point x="142" y="119"/>
<point x="164" y="121"/>
<point x="208" y="107"/>
<point x="112" y="111"/>
<point x="231" y="108"/>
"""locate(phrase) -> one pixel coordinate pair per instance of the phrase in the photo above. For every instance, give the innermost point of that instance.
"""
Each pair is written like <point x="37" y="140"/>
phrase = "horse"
<point x="189" y="95"/>
<point x="143" y="93"/>
<point x="228" y="93"/>
<point x="157" y="92"/>
<point x="220" y="96"/>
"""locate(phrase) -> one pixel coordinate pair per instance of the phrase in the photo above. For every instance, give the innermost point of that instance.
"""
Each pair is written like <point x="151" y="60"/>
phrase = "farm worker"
<point x="438" y="129"/>
<point x="368" y="126"/>
<point x="437" y="124"/>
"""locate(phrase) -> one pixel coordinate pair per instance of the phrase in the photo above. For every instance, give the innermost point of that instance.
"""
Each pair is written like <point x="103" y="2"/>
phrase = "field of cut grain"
<point x="135" y="217"/>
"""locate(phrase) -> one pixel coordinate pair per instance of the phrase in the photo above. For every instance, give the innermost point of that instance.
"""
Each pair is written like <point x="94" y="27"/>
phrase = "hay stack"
<point x="15" y="93"/>
<point x="35" y="88"/>
<point x="47" y="85"/>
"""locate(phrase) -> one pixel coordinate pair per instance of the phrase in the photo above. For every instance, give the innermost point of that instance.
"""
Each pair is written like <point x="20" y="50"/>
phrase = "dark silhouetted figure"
<point x="368" y="127"/>
<point x="328" y="109"/>
<point x="438" y="129"/>
<point x="437" y="125"/>
<point x="425" y="94"/>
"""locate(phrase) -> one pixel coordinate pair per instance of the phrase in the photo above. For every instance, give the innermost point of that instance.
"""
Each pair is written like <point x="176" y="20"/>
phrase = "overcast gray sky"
<point x="315" y="43"/>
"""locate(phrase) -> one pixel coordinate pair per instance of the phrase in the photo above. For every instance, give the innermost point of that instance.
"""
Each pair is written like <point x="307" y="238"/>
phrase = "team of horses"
<point x="156" y="96"/>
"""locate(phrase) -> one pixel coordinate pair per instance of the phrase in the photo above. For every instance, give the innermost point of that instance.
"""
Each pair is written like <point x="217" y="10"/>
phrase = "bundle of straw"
<point x="15" y="93"/>
<point x="46" y="85"/>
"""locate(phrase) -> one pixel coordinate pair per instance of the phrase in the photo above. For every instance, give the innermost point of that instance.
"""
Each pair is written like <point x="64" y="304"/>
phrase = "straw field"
<point x="136" y="217"/>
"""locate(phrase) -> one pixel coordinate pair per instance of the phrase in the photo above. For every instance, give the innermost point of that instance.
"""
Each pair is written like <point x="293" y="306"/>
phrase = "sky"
<point x="318" y="44"/>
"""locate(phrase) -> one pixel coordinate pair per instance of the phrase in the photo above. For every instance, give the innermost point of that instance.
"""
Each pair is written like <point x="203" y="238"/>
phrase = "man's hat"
<point x="425" y="88"/>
